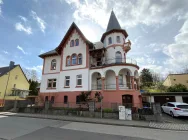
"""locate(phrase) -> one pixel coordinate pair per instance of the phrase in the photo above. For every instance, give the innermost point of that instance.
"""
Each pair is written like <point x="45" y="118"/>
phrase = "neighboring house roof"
<point x="52" y="52"/>
<point x="113" y="22"/>
<point x="174" y="75"/>
<point x="4" y="70"/>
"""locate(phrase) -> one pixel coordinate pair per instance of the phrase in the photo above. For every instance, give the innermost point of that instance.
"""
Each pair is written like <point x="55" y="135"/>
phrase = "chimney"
<point x="11" y="65"/>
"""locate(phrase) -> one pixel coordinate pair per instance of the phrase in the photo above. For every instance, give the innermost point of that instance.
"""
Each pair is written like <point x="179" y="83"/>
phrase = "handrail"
<point x="114" y="61"/>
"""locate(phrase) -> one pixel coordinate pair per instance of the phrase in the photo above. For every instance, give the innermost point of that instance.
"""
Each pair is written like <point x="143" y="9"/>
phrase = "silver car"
<point x="175" y="109"/>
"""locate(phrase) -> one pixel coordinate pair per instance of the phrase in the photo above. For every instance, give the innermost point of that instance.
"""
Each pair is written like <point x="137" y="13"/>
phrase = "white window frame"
<point x="78" y="78"/>
<point x="79" y="57"/>
<point x="53" y="64"/>
<point x="74" y="59"/>
<point x="109" y="40"/>
<point x="52" y="81"/>
<point x="118" y="39"/>
<point x="67" y="78"/>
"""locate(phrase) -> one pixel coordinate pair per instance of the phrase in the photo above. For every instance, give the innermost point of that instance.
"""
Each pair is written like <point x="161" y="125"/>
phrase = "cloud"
<point x="129" y="13"/>
<point x="5" y="52"/>
<point x="177" y="51"/>
<point x="20" y="27"/>
<point x="1" y="2"/>
<point x="23" y="18"/>
<point x="21" y="49"/>
<point x="36" y="68"/>
<point x="41" y="22"/>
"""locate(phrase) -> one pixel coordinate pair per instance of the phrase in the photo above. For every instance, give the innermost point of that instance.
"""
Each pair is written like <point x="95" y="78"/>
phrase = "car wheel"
<point x="172" y="114"/>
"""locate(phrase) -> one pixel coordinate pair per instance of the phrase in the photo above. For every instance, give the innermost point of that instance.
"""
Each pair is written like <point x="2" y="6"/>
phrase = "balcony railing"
<point x="112" y="86"/>
<point x="96" y="87"/>
<point x="114" y="61"/>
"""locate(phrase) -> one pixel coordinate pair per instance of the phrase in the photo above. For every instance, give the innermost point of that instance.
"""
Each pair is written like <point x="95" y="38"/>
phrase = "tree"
<point x="33" y="87"/>
<point x="177" y="88"/>
<point x="30" y="74"/>
<point x="146" y="78"/>
<point x="84" y="96"/>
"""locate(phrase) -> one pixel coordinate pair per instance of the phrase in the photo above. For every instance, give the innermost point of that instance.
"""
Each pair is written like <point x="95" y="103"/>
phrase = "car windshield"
<point x="183" y="106"/>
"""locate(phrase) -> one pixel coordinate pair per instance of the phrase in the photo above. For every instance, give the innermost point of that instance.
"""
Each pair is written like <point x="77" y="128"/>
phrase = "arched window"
<point x="118" y="57"/>
<point x="79" y="59"/>
<point x="109" y="40"/>
<point x="74" y="59"/>
<point x="53" y="64"/>
<point x="68" y="62"/>
<point x="76" y="42"/>
<point x="118" y="39"/>
<point x="72" y="43"/>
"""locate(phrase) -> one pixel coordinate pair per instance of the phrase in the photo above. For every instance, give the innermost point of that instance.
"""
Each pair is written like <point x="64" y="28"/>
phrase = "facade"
<point x="13" y="82"/>
<point x="78" y="65"/>
<point x="173" y="79"/>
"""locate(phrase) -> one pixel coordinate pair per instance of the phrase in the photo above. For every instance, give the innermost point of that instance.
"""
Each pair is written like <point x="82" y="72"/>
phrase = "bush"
<point x="107" y="110"/>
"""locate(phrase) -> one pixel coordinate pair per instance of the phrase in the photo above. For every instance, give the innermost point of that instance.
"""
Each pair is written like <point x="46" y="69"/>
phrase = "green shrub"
<point x="107" y="110"/>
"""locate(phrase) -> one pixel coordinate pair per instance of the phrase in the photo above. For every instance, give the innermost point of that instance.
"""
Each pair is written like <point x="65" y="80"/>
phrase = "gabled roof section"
<point x="71" y="28"/>
<point x="4" y="70"/>
<point x="113" y="22"/>
<point x="49" y="53"/>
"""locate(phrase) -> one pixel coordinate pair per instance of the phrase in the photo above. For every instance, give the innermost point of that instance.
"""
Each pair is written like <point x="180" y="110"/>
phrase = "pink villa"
<point x="78" y="65"/>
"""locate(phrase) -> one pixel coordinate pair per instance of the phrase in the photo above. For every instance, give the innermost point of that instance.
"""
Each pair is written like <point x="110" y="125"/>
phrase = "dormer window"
<point x="109" y="40"/>
<point x="53" y="64"/>
<point x="77" y="42"/>
<point x="118" y="39"/>
<point x="72" y="43"/>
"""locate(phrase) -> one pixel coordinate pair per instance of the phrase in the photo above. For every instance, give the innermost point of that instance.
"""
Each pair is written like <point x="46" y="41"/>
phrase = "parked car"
<point x="175" y="109"/>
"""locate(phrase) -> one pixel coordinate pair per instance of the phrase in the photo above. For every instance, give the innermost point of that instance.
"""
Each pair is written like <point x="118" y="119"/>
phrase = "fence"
<point x="145" y="111"/>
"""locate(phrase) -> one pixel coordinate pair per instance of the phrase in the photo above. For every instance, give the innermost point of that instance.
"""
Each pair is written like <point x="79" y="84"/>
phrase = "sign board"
<point x="121" y="113"/>
<point x="128" y="114"/>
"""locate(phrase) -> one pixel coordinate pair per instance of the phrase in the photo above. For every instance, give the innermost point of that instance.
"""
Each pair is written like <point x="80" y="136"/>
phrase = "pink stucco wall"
<point x="110" y="96"/>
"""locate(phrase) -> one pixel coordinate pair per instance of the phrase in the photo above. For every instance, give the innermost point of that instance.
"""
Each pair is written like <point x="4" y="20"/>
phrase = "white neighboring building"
<point x="78" y="65"/>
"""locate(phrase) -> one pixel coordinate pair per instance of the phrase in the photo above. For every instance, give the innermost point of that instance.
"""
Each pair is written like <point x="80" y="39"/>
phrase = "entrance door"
<point x="127" y="100"/>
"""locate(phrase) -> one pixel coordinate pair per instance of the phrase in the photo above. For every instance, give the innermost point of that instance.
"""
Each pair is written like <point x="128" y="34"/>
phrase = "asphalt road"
<point x="20" y="128"/>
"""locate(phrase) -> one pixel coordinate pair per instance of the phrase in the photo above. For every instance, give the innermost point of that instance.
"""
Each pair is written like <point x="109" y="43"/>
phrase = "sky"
<point x="158" y="29"/>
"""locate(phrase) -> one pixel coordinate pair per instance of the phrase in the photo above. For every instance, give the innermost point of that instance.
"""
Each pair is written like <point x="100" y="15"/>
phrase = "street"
<point x="22" y="128"/>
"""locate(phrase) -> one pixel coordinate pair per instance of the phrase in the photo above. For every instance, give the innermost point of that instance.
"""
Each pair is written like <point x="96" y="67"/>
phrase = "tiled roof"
<point x="48" y="53"/>
<point x="4" y="70"/>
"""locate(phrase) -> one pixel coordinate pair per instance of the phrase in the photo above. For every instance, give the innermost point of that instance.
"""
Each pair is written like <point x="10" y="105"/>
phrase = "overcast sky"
<point x="158" y="29"/>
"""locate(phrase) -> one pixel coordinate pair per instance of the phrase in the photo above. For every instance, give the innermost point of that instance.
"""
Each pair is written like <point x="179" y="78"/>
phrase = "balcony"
<point x="113" y="61"/>
<point x="111" y="87"/>
<point x="96" y="87"/>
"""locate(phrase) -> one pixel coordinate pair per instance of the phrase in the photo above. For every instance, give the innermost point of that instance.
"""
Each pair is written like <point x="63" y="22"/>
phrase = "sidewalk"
<point x="143" y="124"/>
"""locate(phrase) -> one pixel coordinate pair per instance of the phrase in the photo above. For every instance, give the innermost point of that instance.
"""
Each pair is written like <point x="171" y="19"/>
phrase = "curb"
<point x="105" y="123"/>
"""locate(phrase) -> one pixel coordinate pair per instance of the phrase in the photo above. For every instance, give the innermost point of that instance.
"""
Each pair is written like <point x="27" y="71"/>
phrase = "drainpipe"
<point x="7" y="84"/>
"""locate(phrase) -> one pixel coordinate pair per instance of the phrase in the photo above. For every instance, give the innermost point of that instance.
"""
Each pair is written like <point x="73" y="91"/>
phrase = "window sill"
<point x="78" y="86"/>
<point x="73" y="65"/>
<point x="50" y="88"/>
<point x="66" y="87"/>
